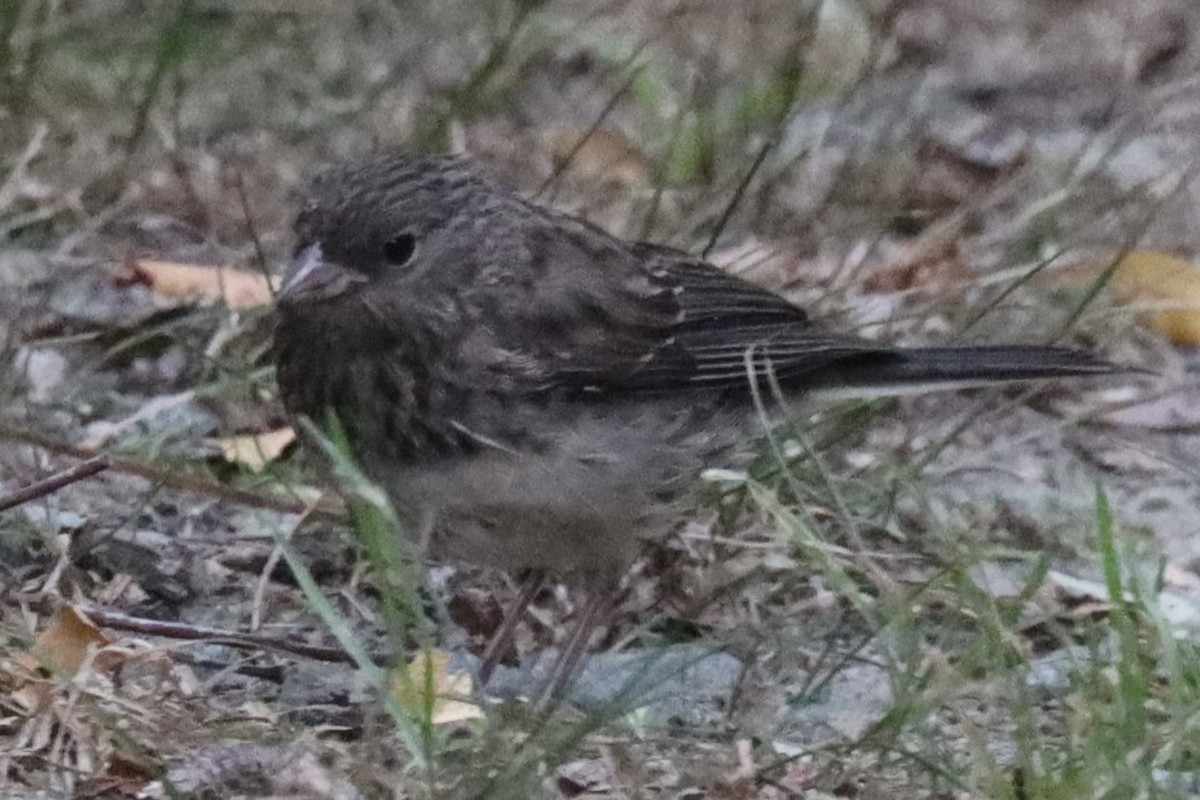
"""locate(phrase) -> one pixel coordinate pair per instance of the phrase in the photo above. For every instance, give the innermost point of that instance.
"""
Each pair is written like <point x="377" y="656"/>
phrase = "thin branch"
<point x="53" y="483"/>
<point x="738" y="194"/>
<point x="565" y="162"/>
<point x="165" y="59"/>
<point x="182" y="630"/>
<point x="172" y="479"/>
<point x="260" y="253"/>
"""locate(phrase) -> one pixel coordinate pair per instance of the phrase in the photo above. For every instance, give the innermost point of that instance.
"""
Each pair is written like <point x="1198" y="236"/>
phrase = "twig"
<point x="565" y="163"/>
<point x="739" y="193"/>
<point x="181" y="630"/>
<point x="11" y="188"/>
<point x="272" y="672"/>
<point x="166" y="477"/>
<point x="166" y="59"/>
<point x="264" y="576"/>
<point x="53" y="483"/>
<point x="260" y="253"/>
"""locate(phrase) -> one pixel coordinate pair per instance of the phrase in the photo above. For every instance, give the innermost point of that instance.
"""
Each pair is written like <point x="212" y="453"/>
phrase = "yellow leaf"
<point x="254" y="450"/>
<point x="1168" y="285"/>
<point x="425" y="685"/>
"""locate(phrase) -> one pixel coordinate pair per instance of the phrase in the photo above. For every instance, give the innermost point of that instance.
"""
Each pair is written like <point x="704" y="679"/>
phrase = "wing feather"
<point x="600" y="316"/>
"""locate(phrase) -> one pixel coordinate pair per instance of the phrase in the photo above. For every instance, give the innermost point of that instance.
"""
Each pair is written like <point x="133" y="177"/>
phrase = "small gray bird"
<point x="535" y="393"/>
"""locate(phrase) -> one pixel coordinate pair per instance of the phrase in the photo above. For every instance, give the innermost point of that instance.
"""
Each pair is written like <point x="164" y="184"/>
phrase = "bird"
<point x="535" y="394"/>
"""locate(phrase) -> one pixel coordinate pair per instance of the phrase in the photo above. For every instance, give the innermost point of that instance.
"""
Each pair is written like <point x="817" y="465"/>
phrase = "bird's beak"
<point x="311" y="277"/>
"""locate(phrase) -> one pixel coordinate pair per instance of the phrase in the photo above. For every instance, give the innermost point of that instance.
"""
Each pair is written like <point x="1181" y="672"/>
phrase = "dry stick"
<point x="166" y="477"/>
<point x="264" y="576"/>
<point x="260" y="253"/>
<point x="565" y="163"/>
<point x="53" y="483"/>
<point x="180" y="630"/>
<point x="502" y="638"/>
<point x="597" y="611"/>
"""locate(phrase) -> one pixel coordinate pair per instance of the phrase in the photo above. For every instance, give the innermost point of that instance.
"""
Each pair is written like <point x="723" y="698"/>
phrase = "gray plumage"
<point x="533" y="392"/>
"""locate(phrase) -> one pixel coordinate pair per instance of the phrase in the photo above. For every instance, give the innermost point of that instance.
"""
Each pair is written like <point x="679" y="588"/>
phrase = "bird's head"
<point x="371" y="226"/>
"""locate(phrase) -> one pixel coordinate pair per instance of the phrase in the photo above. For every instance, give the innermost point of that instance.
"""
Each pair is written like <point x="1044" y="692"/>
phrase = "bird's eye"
<point x="399" y="250"/>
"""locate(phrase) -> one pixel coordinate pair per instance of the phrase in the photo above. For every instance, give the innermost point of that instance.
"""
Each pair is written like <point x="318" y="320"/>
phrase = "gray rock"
<point x="689" y="684"/>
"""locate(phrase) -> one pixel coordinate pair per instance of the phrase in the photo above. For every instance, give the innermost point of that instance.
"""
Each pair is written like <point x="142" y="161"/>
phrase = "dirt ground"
<point x="961" y="595"/>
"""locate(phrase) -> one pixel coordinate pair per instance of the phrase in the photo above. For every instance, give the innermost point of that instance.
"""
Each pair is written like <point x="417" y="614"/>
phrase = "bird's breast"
<point x="390" y="404"/>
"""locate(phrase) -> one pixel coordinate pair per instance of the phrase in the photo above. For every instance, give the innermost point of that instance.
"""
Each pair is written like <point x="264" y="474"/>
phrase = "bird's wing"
<point x="728" y="329"/>
<point x="600" y="316"/>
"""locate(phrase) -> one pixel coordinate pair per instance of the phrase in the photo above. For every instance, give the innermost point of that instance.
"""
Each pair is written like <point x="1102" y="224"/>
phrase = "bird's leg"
<point x="601" y="601"/>
<point x="502" y="638"/>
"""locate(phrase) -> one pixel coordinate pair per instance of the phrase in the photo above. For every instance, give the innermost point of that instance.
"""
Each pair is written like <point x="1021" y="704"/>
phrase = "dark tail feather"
<point x="929" y="368"/>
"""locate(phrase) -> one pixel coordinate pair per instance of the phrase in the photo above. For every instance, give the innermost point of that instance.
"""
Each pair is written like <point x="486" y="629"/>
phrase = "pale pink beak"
<point x="309" y="277"/>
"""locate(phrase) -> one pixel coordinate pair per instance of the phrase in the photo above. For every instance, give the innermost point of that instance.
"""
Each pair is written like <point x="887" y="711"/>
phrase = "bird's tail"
<point x="926" y="369"/>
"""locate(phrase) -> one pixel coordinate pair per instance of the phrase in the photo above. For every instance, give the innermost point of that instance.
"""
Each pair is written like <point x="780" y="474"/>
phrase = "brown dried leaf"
<point x="62" y="647"/>
<point x="602" y="154"/>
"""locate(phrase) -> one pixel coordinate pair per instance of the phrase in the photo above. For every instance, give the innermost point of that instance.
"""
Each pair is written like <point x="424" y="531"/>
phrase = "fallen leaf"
<point x="237" y="288"/>
<point x="1158" y="278"/>
<point x="604" y="154"/>
<point x="1162" y="286"/>
<point x="254" y="450"/>
<point x="62" y="647"/>
<point x="428" y="673"/>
